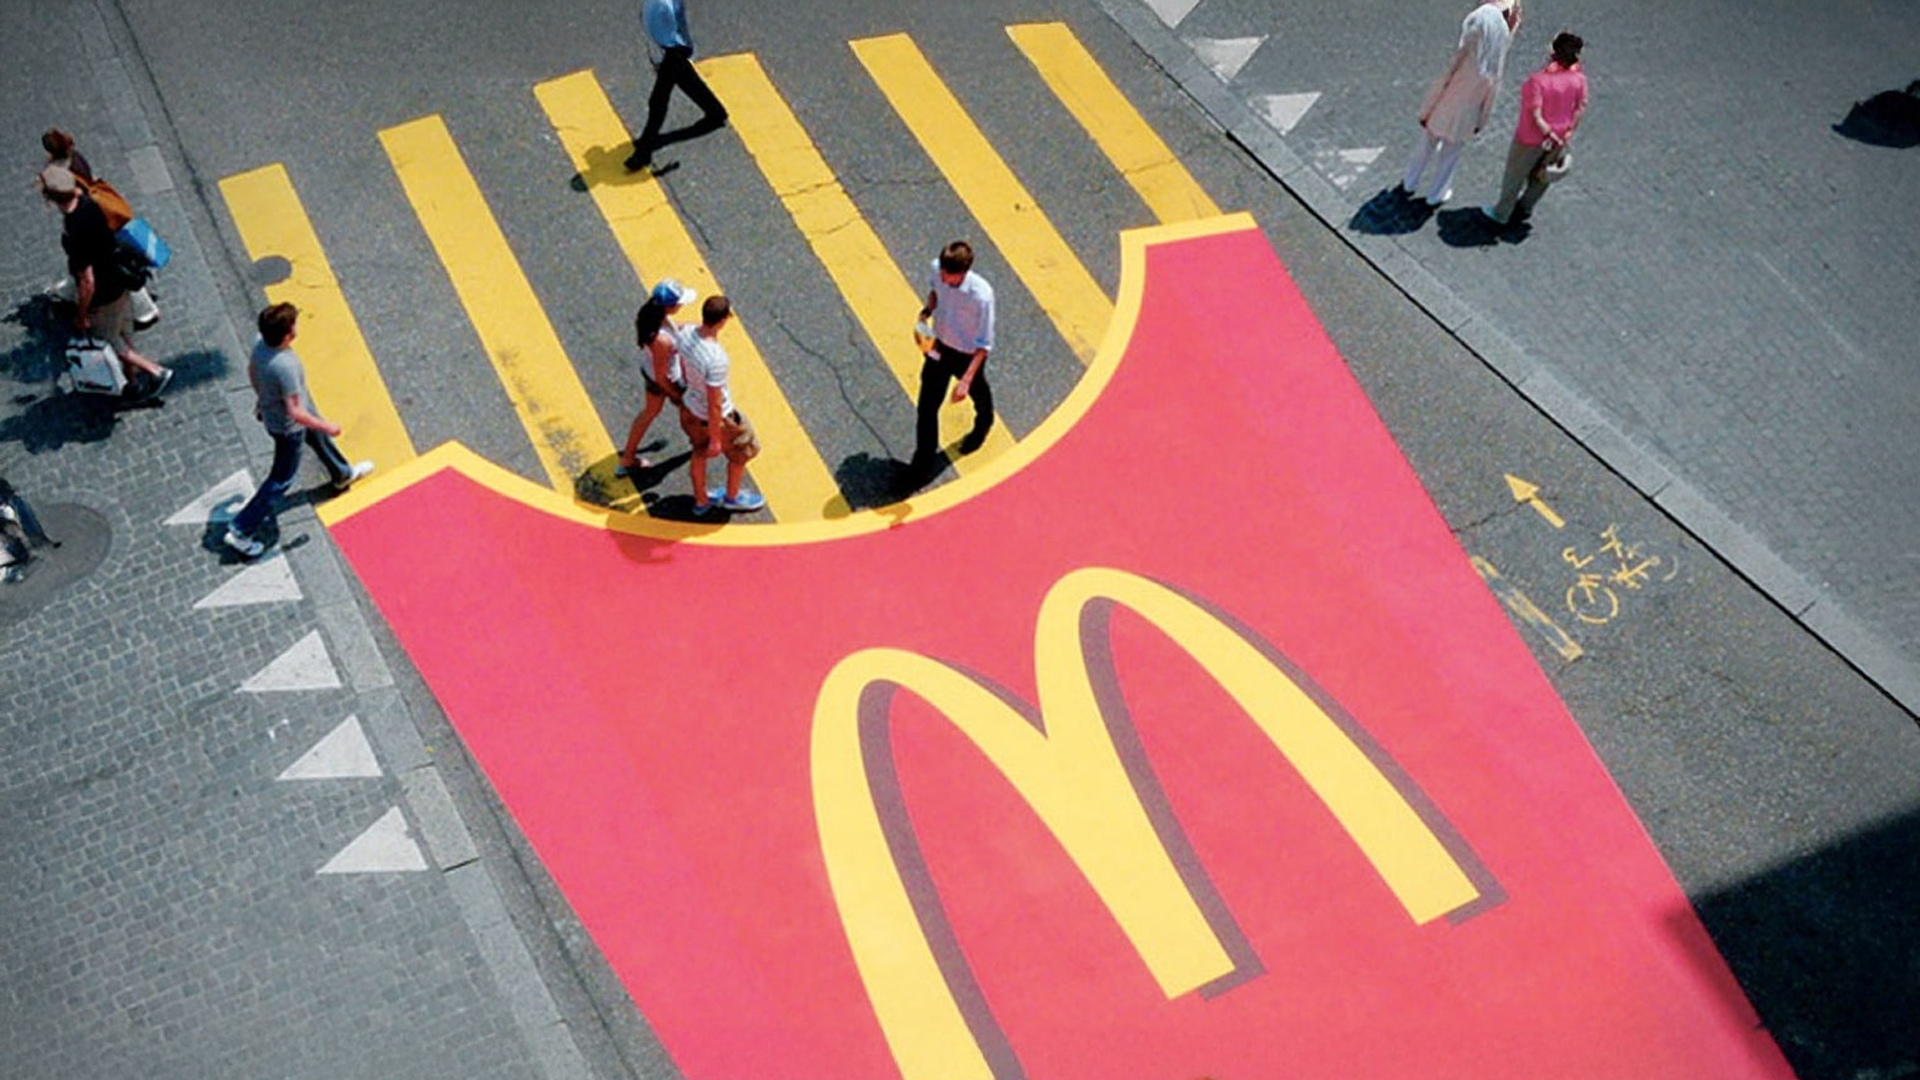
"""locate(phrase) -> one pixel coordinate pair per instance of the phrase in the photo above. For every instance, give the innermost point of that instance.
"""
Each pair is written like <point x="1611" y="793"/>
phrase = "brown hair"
<point x="956" y="258"/>
<point x="276" y="323"/>
<point x="58" y="144"/>
<point x="715" y="310"/>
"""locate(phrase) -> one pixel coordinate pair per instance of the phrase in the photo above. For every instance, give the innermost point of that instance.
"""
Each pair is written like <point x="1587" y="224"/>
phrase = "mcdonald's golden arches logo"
<point x="1065" y="763"/>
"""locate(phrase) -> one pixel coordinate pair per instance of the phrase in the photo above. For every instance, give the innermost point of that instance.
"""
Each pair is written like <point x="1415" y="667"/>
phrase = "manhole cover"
<point x="84" y="539"/>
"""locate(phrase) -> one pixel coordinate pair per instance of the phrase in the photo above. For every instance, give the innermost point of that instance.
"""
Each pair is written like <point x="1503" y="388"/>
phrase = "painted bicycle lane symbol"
<point x="1615" y="566"/>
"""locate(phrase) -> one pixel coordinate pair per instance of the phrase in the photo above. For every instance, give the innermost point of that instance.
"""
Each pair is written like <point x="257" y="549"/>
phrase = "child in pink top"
<point x="1552" y="101"/>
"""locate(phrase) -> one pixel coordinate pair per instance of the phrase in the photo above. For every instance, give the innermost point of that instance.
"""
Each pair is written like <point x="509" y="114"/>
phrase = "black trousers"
<point x="936" y="375"/>
<point x="676" y="69"/>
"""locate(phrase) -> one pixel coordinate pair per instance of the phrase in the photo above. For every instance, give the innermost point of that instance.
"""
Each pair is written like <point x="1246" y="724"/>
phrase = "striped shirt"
<point x="703" y="363"/>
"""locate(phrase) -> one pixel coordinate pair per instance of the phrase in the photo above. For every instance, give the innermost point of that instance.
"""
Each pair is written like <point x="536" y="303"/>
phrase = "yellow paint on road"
<point x="996" y="198"/>
<point x="922" y="506"/>
<point x="790" y="472"/>
<point x="1525" y="610"/>
<point x="1119" y="130"/>
<point x="560" y="419"/>
<point x="1069" y="771"/>
<point x="880" y="296"/>
<point x="341" y="374"/>
<point x="1524" y="492"/>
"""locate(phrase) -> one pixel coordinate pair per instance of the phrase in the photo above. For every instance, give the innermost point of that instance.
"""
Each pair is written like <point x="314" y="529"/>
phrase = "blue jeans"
<point x="286" y="463"/>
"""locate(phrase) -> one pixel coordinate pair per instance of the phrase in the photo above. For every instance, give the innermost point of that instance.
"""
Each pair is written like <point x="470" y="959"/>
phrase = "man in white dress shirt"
<point x="960" y="303"/>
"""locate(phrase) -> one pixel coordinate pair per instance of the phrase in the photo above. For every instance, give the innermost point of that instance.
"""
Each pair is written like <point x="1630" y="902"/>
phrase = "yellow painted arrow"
<point x="1524" y="492"/>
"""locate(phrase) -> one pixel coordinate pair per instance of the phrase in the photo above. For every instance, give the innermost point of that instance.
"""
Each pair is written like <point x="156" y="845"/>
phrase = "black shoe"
<point x="639" y="159"/>
<point x="974" y="441"/>
<point x="146" y="387"/>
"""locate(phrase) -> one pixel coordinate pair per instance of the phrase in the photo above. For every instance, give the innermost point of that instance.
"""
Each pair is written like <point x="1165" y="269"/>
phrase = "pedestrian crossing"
<point x="553" y="407"/>
<point x="795" y="480"/>
<point x="340" y="366"/>
<point x="871" y="282"/>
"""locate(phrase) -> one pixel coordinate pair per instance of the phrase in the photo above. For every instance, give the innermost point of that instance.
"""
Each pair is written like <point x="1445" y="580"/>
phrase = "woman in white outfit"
<point x="1461" y="100"/>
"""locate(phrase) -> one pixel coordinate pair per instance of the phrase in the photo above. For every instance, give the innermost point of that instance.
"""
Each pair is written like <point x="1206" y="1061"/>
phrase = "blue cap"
<point x="670" y="292"/>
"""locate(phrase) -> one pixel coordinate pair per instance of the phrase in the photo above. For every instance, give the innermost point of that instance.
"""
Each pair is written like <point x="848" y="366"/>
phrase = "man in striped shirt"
<point x="713" y="426"/>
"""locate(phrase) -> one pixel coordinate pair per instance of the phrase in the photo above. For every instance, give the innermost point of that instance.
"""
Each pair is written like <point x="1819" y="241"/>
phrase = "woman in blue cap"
<point x="653" y="329"/>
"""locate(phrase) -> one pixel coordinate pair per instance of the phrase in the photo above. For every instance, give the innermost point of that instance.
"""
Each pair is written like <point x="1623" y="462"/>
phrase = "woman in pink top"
<point x="1552" y="100"/>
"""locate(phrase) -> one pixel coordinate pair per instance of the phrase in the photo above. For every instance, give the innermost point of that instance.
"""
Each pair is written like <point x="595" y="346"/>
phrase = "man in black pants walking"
<point x="666" y="22"/>
<point x="960" y="306"/>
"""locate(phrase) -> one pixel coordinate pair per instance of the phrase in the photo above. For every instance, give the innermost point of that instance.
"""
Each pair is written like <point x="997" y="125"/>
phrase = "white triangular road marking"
<point x="386" y="847"/>
<point x="219" y="503"/>
<point x="1283" y="111"/>
<point x="265" y="582"/>
<point x="342" y="754"/>
<point x="1343" y="167"/>
<point x="1226" y="56"/>
<point x="305" y="666"/>
<point x="1172" y="11"/>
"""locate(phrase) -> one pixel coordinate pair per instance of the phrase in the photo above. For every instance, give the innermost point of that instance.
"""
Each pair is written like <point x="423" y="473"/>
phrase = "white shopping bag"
<point x="94" y="367"/>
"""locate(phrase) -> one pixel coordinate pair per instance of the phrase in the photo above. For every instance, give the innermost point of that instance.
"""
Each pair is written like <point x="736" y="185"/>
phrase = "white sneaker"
<point x="359" y="472"/>
<point x="247" y="546"/>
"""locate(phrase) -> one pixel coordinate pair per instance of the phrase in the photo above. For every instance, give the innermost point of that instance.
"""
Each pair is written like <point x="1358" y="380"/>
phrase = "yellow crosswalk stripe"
<point x="1120" y="131"/>
<point x="797" y="484"/>
<point x="567" y="433"/>
<point x="345" y="382"/>
<point x="881" y="299"/>
<point x="1015" y="223"/>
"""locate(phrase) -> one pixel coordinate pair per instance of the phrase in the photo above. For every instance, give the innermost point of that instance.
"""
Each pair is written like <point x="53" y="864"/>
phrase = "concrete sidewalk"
<point x="1718" y="302"/>
<point x="229" y="849"/>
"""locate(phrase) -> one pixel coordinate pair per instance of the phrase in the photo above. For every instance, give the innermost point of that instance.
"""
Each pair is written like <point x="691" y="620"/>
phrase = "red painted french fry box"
<point x="1179" y="740"/>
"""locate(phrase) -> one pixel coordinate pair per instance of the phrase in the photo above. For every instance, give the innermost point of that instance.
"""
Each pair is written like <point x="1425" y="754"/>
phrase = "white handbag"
<point x="94" y="367"/>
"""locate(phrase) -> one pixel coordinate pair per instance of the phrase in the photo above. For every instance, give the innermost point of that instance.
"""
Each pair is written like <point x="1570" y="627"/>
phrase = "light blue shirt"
<point x="963" y="314"/>
<point x="666" y="22"/>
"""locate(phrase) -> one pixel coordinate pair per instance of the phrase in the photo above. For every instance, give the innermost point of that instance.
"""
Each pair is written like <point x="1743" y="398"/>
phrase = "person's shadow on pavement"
<point x="1470" y="228"/>
<point x="868" y="482"/>
<point x="607" y="165"/>
<point x="1890" y="118"/>
<point x="1392" y="212"/>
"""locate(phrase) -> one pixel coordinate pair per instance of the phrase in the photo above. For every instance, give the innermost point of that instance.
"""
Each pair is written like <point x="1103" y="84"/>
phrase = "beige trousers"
<point x="1526" y="178"/>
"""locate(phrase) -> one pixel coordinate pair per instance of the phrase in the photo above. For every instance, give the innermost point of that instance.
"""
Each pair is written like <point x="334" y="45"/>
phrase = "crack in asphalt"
<point x="1467" y="526"/>
<point x="839" y="375"/>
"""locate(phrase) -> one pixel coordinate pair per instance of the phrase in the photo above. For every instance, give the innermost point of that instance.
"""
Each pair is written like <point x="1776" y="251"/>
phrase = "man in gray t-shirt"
<point x="281" y="403"/>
